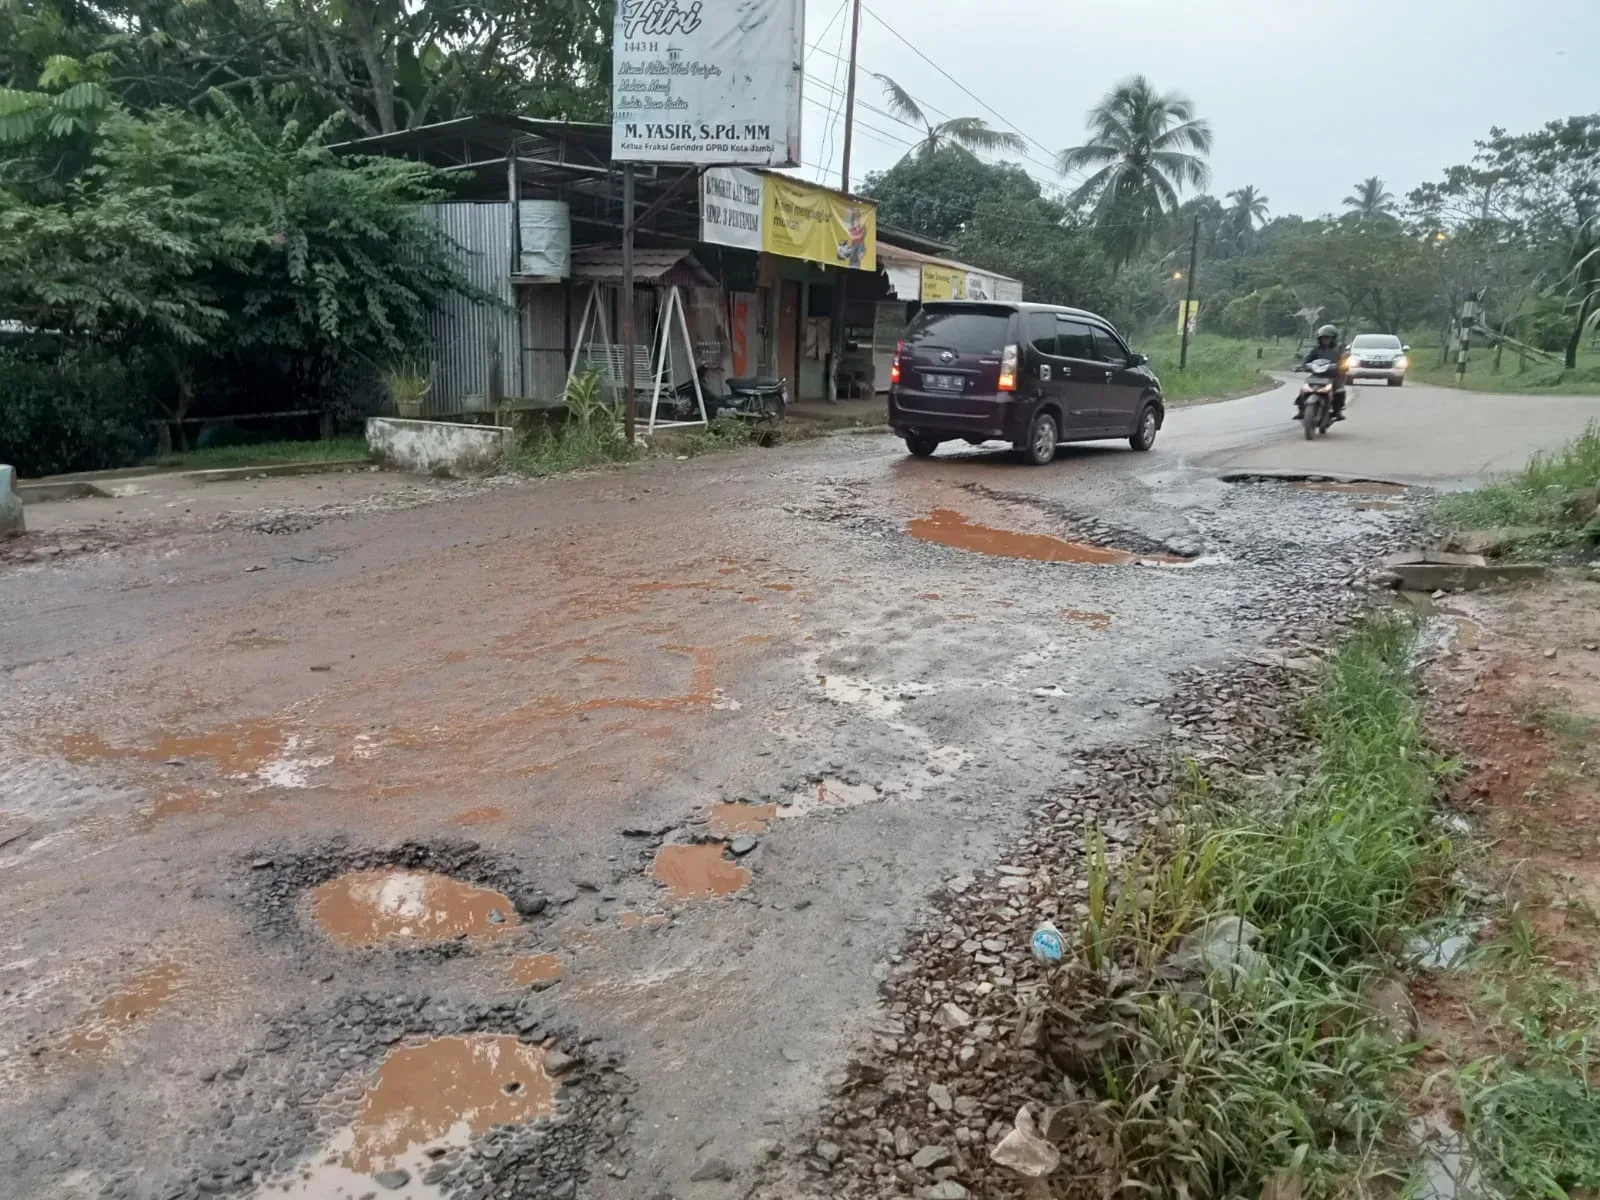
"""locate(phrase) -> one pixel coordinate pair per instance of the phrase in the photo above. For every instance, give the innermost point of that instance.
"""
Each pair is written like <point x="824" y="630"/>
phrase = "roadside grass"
<point x="588" y="435"/>
<point x="263" y="454"/>
<point x="1273" y="1071"/>
<point x="1219" y="367"/>
<point x="1551" y="497"/>
<point x="1538" y="378"/>
<point x="1532" y="1110"/>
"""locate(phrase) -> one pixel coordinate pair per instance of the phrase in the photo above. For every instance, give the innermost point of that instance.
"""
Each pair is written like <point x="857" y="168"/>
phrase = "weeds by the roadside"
<point x="588" y="436"/>
<point x="1553" y="497"/>
<point x="1218" y="367"/>
<point x="262" y="454"/>
<point x="1532" y="1113"/>
<point x="1221" y="1002"/>
<point x="724" y="433"/>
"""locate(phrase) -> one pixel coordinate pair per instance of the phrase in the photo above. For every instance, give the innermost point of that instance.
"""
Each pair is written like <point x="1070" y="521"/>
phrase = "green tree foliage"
<point x="379" y="65"/>
<point x="1144" y="148"/>
<point x="962" y="134"/>
<point x="1371" y="201"/>
<point x="1036" y="240"/>
<point x="227" y="257"/>
<point x="936" y="194"/>
<point x="1370" y="274"/>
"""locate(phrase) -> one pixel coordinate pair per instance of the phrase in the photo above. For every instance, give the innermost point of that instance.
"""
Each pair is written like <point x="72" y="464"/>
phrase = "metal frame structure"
<point x="656" y="364"/>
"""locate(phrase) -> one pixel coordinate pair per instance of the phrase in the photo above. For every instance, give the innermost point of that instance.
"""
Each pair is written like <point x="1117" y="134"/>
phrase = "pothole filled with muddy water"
<point x="385" y="906"/>
<point x="427" y="1100"/>
<point x="419" y="896"/>
<point x="947" y="527"/>
<point x="699" y="871"/>
<point x="412" y="1094"/>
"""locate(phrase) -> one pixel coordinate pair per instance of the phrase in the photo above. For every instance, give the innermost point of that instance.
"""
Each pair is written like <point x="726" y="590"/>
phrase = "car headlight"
<point x="1352" y="361"/>
<point x="1402" y="363"/>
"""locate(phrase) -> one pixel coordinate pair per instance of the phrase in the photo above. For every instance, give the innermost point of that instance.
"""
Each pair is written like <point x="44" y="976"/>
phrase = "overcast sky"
<point x="1304" y="99"/>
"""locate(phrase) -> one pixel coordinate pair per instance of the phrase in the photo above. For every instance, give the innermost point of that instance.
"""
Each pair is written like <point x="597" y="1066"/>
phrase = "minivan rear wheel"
<point x="1043" y="437"/>
<point x="922" y="446"/>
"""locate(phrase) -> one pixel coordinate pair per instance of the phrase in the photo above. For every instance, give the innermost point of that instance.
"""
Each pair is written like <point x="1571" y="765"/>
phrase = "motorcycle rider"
<point x="1326" y="346"/>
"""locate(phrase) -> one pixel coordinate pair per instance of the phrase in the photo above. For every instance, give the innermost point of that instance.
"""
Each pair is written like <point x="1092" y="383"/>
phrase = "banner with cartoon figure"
<point x="818" y="225"/>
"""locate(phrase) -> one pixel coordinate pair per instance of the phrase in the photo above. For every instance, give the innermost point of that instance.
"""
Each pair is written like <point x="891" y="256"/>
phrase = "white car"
<point x="1378" y="356"/>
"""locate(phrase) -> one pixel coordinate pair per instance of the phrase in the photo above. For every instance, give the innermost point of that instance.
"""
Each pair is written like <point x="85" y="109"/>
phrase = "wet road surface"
<point x="658" y="763"/>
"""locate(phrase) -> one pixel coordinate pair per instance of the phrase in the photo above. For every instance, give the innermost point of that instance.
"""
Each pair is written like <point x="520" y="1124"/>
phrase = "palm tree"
<point x="963" y="133"/>
<point x="1146" y="146"/>
<point x="1249" y="207"/>
<point x="1371" y="202"/>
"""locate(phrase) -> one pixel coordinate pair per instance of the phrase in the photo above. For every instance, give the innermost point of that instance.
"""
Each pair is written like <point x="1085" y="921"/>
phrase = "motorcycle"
<point x="756" y="398"/>
<point x="1316" y="397"/>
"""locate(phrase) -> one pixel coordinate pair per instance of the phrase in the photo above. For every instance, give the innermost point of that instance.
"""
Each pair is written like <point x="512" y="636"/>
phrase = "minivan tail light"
<point x="894" y="363"/>
<point x="1008" y="368"/>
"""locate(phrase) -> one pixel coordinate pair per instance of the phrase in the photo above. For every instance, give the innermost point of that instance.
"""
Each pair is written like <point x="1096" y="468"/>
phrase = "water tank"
<point x="546" y="228"/>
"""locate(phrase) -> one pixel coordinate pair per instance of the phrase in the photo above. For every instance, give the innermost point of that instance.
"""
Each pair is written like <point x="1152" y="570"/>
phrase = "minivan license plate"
<point x="944" y="383"/>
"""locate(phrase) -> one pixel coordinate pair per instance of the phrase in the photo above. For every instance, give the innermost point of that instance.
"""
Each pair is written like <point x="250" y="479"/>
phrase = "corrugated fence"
<point x="473" y="341"/>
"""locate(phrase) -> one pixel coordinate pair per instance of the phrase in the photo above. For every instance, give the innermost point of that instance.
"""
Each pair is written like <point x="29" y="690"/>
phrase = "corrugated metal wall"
<point x="544" y="339"/>
<point x="469" y="339"/>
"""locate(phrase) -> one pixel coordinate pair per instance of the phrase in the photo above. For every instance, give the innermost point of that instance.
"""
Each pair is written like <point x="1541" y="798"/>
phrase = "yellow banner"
<point x="943" y="283"/>
<point x="1188" y="314"/>
<point x="802" y="221"/>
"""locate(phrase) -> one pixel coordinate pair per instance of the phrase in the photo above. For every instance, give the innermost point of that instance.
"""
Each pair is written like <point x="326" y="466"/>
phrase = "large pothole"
<point x="419" y="1097"/>
<point x="437" y="897"/>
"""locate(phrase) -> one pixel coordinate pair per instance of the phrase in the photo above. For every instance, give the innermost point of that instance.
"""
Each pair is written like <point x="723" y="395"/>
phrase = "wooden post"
<point x="625" y="301"/>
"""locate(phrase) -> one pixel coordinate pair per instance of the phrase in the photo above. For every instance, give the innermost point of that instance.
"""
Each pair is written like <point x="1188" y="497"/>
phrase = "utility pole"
<point x="1469" y="310"/>
<point x="841" y="313"/>
<point x="850" y="94"/>
<point x="1188" y="294"/>
<point x="625" y="317"/>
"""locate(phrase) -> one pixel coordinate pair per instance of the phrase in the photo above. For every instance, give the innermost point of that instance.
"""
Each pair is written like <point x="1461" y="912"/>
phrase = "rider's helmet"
<point x="1328" y="334"/>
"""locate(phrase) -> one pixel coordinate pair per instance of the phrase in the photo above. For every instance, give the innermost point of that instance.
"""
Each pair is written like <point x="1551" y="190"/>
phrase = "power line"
<point x="990" y="109"/>
<point x="1056" y="178"/>
<point x="1049" y="184"/>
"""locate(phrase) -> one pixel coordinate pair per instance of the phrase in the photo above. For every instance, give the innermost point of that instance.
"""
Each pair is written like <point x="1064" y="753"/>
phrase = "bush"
<point x="73" y="412"/>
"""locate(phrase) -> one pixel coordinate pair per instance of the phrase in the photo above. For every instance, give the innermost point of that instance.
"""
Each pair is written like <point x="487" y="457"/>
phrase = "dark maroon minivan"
<point x="1034" y="375"/>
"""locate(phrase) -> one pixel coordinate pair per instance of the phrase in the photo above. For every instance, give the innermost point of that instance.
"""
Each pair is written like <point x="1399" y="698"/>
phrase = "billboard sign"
<point x="731" y="208"/>
<point x="707" y="81"/>
<point x="778" y="215"/>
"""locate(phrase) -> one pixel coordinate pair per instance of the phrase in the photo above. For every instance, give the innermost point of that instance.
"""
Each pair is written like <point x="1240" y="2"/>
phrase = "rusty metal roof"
<point x="664" y="268"/>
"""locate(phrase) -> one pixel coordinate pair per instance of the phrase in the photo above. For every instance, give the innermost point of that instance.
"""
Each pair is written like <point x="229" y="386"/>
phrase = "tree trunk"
<point x="1584" y="309"/>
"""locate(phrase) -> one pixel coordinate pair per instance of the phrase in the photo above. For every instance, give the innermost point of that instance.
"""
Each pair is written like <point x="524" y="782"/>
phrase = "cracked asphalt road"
<point x="568" y="674"/>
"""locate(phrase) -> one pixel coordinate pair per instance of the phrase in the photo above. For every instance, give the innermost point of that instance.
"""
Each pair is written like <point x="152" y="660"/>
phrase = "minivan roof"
<point x="1024" y="306"/>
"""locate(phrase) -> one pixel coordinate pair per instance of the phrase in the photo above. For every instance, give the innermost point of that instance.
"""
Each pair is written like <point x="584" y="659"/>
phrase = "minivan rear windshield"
<point x="1375" y="341"/>
<point x="966" y="330"/>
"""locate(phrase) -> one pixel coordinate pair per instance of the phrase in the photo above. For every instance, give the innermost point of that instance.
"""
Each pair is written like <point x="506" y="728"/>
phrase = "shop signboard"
<point x="777" y="215"/>
<point x="707" y="81"/>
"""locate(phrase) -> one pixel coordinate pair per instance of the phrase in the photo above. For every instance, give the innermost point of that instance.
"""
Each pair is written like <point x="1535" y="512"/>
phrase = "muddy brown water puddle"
<point x="145" y="991"/>
<point x="432" y="1096"/>
<point x="533" y="970"/>
<point x="948" y="527"/>
<point x="372" y="908"/>
<point x="699" y="872"/>
<point x="243" y="749"/>
<point x="735" y="818"/>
